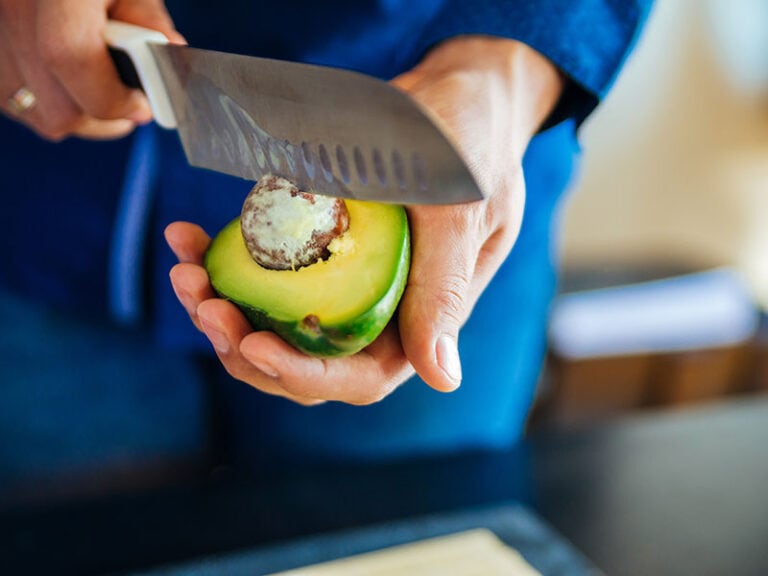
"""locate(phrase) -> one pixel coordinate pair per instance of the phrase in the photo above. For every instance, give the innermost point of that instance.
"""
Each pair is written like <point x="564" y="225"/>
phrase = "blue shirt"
<point x="83" y="227"/>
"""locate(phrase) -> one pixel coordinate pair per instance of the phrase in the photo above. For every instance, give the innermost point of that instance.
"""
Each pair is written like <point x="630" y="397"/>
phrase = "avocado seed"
<point x="285" y="228"/>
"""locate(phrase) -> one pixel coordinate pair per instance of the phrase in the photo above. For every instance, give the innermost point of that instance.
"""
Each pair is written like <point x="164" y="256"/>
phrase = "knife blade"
<point x="330" y="131"/>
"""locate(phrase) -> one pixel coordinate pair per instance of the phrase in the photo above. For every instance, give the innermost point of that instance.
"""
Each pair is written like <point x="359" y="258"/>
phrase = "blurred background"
<point x="664" y="247"/>
<point x="663" y="306"/>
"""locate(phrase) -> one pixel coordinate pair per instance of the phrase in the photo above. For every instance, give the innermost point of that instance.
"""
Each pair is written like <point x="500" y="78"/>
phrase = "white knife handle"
<point x="134" y="41"/>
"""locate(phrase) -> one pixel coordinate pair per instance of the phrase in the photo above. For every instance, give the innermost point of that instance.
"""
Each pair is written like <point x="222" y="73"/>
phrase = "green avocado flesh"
<point x="334" y="307"/>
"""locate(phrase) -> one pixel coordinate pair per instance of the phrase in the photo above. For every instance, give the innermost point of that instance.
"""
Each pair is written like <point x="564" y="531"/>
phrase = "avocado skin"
<point x="333" y="340"/>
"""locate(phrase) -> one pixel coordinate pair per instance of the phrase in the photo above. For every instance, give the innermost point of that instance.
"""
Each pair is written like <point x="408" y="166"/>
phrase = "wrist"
<point x="539" y="85"/>
<point x="527" y="84"/>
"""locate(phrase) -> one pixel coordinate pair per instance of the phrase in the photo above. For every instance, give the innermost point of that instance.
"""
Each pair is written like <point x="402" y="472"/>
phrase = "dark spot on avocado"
<point x="311" y="323"/>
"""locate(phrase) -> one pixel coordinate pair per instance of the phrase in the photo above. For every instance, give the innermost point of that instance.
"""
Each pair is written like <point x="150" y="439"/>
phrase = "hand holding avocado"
<point x="325" y="274"/>
<point x="491" y="95"/>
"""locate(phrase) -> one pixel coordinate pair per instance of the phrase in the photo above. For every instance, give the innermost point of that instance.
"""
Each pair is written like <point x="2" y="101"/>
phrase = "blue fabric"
<point x="59" y="204"/>
<point x="128" y="245"/>
<point x="83" y="222"/>
<point x="587" y="39"/>
<point x="501" y="358"/>
<point x="502" y="347"/>
<point x="80" y="400"/>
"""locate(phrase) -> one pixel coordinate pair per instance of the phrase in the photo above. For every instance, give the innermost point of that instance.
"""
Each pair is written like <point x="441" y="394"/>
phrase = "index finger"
<point x="363" y="378"/>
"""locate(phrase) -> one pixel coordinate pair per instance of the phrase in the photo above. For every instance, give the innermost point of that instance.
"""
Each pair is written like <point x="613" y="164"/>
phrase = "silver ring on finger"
<point x="21" y="101"/>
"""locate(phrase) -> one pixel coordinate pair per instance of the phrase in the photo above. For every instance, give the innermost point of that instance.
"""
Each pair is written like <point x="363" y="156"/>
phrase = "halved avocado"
<point x="334" y="307"/>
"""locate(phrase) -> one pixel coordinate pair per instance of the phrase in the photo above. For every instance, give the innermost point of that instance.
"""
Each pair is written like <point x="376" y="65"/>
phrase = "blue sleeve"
<point x="588" y="40"/>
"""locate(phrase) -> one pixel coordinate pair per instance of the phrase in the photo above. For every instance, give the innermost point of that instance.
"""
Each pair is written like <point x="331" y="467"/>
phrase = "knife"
<point x="330" y="131"/>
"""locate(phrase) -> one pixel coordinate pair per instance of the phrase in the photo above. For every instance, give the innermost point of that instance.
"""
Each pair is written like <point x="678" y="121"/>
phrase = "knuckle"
<point x="67" y="57"/>
<point x="450" y="293"/>
<point x="57" y="50"/>
<point x="367" y="399"/>
<point x="234" y="369"/>
<point x="444" y="296"/>
<point x="61" y="127"/>
<point x="308" y="390"/>
<point x="296" y="391"/>
<point x="308" y="402"/>
<point x="49" y="135"/>
<point x="372" y="395"/>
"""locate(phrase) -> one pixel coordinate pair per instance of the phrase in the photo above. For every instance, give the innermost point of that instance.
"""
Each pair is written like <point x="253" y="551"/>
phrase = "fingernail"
<point x="448" y="358"/>
<point x="217" y="337"/>
<point x="261" y="365"/>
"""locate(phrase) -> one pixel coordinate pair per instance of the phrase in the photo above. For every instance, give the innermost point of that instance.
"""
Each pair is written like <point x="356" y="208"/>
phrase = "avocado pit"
<point x="285" y="228"/>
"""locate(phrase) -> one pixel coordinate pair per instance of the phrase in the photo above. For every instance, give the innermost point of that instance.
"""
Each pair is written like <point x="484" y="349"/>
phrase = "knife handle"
<point x="129" y="47"/>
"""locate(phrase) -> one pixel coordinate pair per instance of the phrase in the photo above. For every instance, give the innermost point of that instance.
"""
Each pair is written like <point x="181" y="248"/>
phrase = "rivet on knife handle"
<point x="134" y="41"/>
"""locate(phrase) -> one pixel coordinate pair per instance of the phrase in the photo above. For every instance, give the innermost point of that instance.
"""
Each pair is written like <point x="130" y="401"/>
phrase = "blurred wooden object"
<point x="579" y="391"/>
<point x="666" y="342"/>
<point x="699" y="375"/>
<point x="595" y="388"/>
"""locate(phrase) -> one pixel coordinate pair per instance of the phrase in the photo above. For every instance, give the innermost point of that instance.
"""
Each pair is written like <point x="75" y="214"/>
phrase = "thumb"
<point x="436" y="302"/>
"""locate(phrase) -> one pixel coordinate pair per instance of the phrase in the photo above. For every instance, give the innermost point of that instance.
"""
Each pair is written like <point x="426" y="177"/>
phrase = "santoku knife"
<point x="330" y="131"/>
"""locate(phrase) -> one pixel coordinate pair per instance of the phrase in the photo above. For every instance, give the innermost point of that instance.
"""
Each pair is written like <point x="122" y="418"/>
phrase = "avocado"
<point x="335" y="306"/>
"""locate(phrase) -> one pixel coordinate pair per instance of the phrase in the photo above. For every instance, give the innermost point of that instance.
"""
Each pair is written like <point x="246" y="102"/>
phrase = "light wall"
<point x="676" y="159"/>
